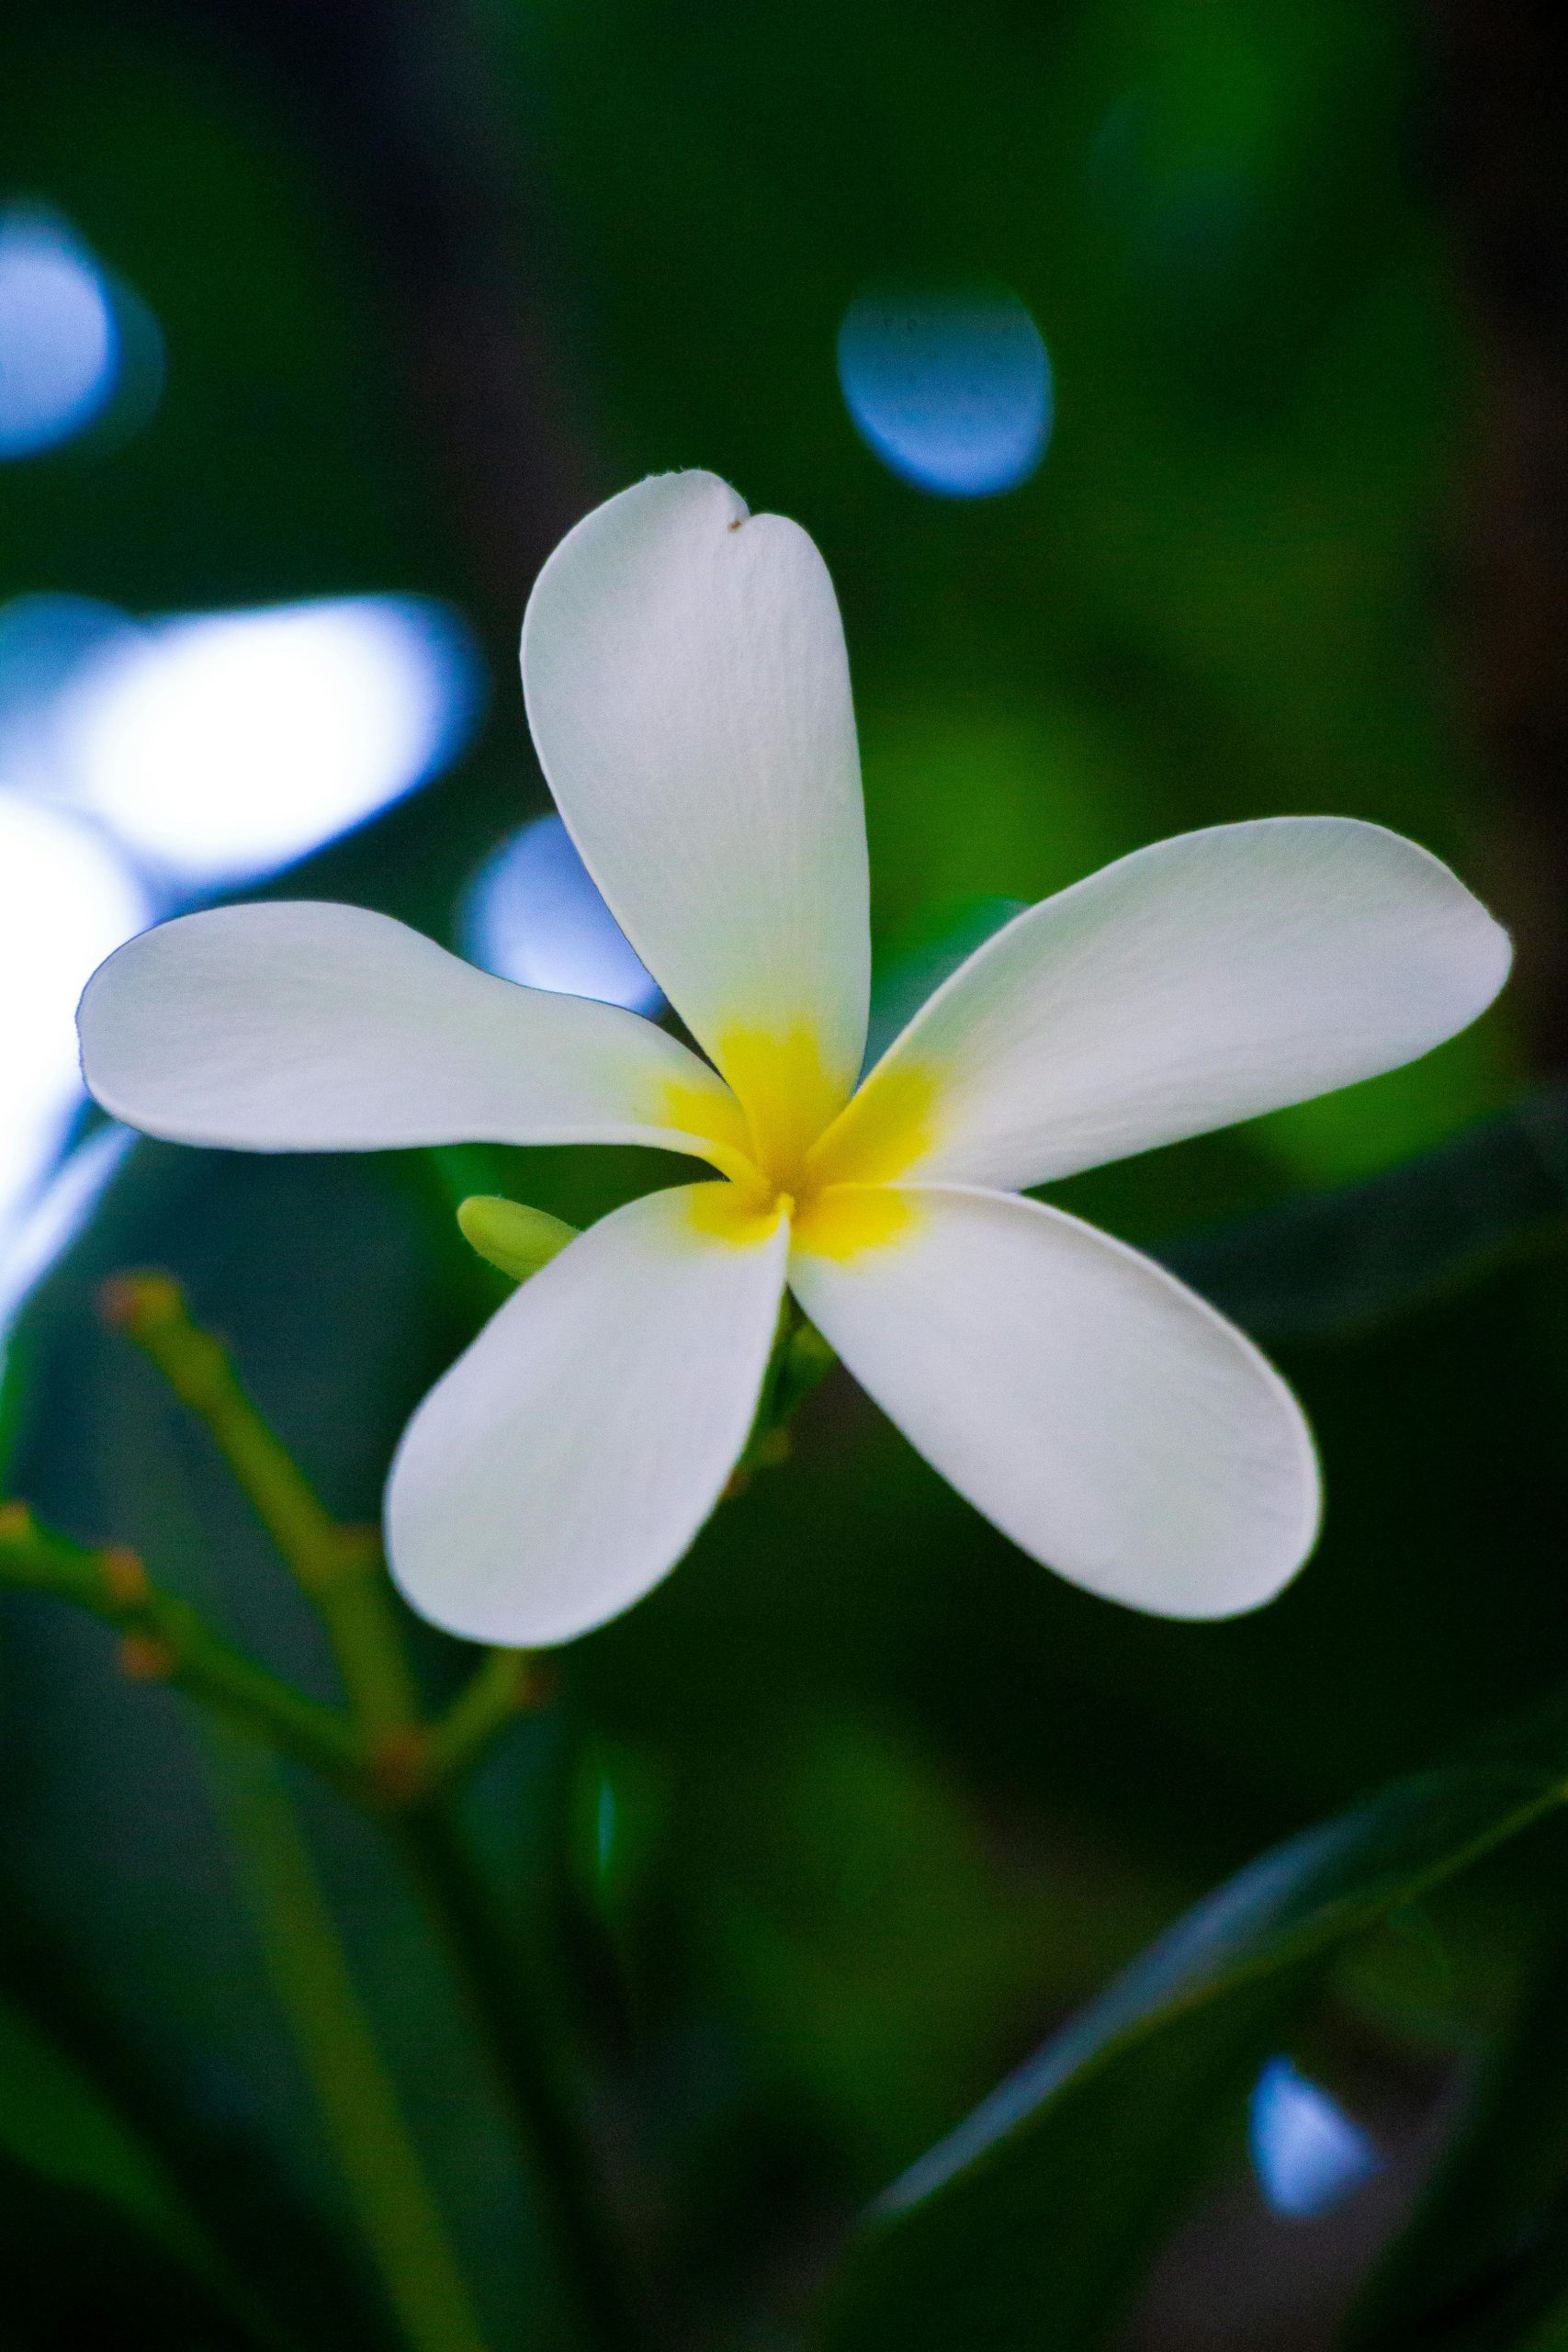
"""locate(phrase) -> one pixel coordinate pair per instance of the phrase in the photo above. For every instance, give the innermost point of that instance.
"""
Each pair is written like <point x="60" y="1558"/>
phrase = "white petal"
<point x="303" y="1026"/>
<point x="1200" y="981"/>
<point x="689" y="694"/>
<point x="566" y="1462"/>
<point x="1089" y="1404"/>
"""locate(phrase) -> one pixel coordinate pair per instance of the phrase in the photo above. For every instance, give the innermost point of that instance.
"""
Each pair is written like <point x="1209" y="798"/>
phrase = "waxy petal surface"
<point x="1198" y="981"/>
<point x="685" y="670"/>
<point x="1089" y="1405"/>
<point x="303" y="1026"/>
<point x="568" y="1459"/>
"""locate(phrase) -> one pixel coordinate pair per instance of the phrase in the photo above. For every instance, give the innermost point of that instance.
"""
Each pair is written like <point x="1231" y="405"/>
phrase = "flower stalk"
<point x="800" y="1358"/>
<point x="508" y="1683"/>
<point x="164" y="1640"/>
<point x="379" y="2160"/>
<point x="339" y="1568"/>
<point x="391" y="1760"/>
<point x="610" y="2297"/>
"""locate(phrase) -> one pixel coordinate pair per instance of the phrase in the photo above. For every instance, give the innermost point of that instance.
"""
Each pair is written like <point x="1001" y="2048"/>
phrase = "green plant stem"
<point x="401" y="1768"/>
<point x="393" y="2202"/>
<point x="609" y="2299"/>
<point x="505" y="1685"/>
<point x="339" y="1568"/>
<point x="166" y="1640"/>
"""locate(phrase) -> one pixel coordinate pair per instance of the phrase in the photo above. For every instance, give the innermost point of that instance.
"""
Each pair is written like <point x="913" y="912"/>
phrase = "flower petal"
<point x="1088" y="1403"/>
<point x="1200" y="981"/>
<point x="309" y="1027"/>
<point x="689" y="694"/>
<point x="566" y="1462"/>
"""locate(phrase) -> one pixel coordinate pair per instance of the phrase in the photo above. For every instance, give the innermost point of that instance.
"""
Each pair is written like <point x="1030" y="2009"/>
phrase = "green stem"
<point x="505" y="1685"/>
<point x="393" y="2201"/>
<point x="393" y="1764"/>
<point x="338" y="1567"/>
<point x="164" y="1640"/>
<point x="609" y="2299"/>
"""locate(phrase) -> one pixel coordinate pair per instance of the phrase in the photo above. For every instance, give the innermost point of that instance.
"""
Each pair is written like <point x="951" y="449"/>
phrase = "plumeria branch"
<point x="508" y="1684"/>
<point x="164" y="1640"/>
<point x="382" y="1752"/>
<point x="801" y="1358"/>
<point x="390" y="1759"/>
<point x="387" y="1757"/>
<point x="612" y="2296"/>
<point x="339" y="1568"/>
<point x="377" y="2154"/>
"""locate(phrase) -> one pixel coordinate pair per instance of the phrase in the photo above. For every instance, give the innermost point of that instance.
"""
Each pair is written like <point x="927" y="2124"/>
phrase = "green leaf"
<point x="56" y="2123"/>
<point x="1486" y="2251"/>
<point x="1334" y="1261"/>
<point x="915" y="967"/>
<point x="1552" y="2336"/>
<point x="1046" y="2197"/>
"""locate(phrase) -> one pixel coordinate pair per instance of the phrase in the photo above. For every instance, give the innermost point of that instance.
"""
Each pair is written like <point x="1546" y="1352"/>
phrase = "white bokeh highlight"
<point x="950" y="387"/>
<point x="44" y="1229"/>
<point x="47" y="642"/>
<point x="224" y="745"/>
<point x="533" y="913"/>
<point x="143" y="764"/>
<point x="59" y="346"/>
<point x="66" y="901"/>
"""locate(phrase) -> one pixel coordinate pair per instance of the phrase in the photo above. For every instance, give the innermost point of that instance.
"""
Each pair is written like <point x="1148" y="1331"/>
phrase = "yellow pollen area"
<point x="713" y="1119"/>
<point x="788" y="1148"/>
<point x="843" y="1221"/>
<point x="788" y="1096"/>
<point x="883" y="1129"/>
<point x="728" y="1212"/>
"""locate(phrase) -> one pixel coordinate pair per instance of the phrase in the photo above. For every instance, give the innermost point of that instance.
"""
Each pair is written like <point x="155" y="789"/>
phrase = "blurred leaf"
<point x="1045" y="2198"/>
<point x="1486" y="2252"/>
<point x="969" y="795"/>
<point x="1330" y="1261"/>
<point x="284" y="2276"/>
<point x="1068" y="2230"/>
<point x="869" y="1938"/>
<point x="916" y="964"/>
<point x="55" y="2122"/>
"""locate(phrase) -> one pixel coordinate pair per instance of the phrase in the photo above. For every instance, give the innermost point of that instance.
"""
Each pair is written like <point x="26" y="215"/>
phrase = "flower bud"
<point x="512" y="1236"/>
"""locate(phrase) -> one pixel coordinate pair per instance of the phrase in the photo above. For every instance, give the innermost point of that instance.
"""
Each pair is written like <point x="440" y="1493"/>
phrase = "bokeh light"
<point x="42" y="1230"/>
<point x="950" y="387"/>
<point x="221" y="746"/>
<point x="47" y="643"/>
<point x="60" y="345"/>
<point x="1307" y="2154"/>
<point x="533" y="913"/>
<point x="66" y="901"/>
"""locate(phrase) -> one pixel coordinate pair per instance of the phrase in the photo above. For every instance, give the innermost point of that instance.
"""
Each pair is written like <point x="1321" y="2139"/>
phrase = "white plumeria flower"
<point x="686" y="684"/>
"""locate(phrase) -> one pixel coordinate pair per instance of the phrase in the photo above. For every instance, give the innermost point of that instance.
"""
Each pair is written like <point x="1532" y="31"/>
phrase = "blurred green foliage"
<point x="833" y="1829"/>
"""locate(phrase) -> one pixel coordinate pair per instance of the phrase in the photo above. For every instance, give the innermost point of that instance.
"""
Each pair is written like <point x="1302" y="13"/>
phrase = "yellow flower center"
<point x="788" y="1145"/>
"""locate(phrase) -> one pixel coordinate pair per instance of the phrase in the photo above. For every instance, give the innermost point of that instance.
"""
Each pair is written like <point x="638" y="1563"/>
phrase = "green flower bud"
<point x="512" y="1236"/>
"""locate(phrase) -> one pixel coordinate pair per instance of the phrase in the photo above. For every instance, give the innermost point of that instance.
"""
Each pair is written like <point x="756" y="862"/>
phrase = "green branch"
<point x="508" y="1683"/>
<point x="163" y="1640"/>
<point x="606" y="2288"/>
<point x="339" y="1568"/>
<point x="379" y="2162"/>
<point x="392" y="1762"/>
